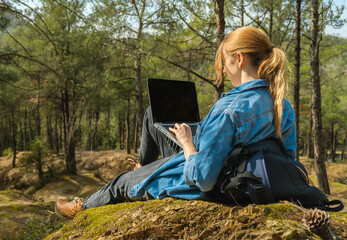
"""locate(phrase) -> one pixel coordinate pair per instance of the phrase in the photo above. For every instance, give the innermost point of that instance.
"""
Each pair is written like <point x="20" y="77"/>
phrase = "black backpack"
<point x="262" y="173"/>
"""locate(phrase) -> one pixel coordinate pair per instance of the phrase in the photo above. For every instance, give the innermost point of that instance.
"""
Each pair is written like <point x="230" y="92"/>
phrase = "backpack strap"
<point x="334" y="202"/>
<point x="325" y="206"/>
<point x="235" y="179"/>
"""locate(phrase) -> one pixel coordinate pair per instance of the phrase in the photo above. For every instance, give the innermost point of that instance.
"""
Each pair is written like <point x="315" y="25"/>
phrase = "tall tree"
<point x="320" y="168"/>
<point x="220" y="21"/>
<point x="297" y="73"/>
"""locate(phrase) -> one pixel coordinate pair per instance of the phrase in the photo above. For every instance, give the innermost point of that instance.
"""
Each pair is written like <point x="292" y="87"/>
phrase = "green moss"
<point x="341" y="217"/>
<point x="337" y="187"/>
<point x="6" y="215"/>
<point x="93" y="222"/>
<point x="278" y="211"/>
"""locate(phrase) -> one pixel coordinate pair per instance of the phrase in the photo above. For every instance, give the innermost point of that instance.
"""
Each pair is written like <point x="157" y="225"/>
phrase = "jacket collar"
<point x="247" y="86"/>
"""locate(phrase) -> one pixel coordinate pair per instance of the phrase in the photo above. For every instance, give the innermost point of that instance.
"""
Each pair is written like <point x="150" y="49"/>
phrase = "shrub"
<point x="8" y="152"/>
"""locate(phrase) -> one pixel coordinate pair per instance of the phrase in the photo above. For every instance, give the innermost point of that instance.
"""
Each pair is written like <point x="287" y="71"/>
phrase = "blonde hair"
<point x="271" y="63"/>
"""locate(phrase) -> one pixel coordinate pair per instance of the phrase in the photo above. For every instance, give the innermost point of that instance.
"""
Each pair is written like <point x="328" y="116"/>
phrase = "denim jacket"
<point x="242" y="116"/>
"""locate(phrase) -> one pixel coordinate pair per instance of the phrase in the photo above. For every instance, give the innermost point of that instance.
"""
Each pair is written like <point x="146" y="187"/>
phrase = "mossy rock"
<point x="180" y="219"/>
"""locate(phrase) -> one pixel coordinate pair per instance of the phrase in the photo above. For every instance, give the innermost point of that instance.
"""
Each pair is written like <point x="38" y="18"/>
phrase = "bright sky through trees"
<point x="342" y="32"/>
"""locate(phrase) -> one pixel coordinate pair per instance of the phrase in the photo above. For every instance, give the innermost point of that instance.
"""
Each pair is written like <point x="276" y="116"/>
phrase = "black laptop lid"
<point x="173" y="101"/>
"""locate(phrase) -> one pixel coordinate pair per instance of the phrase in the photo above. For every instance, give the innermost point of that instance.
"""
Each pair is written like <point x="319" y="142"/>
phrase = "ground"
<point x="26" y="212"/>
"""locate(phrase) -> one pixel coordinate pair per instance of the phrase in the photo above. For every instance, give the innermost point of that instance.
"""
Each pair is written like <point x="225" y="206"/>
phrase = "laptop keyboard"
<point x="193" y="127"/>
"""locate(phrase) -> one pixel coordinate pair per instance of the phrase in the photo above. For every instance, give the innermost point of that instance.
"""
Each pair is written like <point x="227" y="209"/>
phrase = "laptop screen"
<point x="173" y="101"/>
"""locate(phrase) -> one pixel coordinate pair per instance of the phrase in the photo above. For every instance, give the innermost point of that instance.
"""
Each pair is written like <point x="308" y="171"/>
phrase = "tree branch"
<point x="33" y="23"/>
<point x="33" y="60"/>
<point x="191" y="28"/>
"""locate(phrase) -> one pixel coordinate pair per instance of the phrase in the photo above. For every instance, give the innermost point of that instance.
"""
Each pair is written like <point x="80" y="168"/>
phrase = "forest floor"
<point x="26" y="212"/>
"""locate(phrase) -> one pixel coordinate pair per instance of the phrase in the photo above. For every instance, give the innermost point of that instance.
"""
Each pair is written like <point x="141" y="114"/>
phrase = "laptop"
<point x="173" y="101"/>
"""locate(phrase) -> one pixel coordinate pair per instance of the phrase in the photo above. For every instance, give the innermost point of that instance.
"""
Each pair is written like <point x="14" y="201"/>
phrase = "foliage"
<point x="8" y="152"/>
<point x="69" y="67"/>
<point x="38" y="228"/>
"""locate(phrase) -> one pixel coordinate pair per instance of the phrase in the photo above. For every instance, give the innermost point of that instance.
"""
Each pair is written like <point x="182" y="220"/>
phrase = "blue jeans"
<point x="153" y="144"/>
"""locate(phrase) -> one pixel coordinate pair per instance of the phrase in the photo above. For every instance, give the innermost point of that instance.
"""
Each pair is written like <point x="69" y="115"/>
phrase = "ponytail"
<point x="273" y="69"/>
<point x="271" y="63"/>
<point x="218" y="65"/>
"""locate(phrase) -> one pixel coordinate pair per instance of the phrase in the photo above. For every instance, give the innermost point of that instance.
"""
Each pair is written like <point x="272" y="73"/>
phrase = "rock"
<point x="179" y="219"/>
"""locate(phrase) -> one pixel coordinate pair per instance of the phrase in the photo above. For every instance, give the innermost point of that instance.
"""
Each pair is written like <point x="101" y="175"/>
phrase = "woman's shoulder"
<point x="258" y="99"/>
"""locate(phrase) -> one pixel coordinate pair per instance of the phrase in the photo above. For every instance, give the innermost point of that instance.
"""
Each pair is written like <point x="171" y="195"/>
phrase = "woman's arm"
<point x="216" y="141"/>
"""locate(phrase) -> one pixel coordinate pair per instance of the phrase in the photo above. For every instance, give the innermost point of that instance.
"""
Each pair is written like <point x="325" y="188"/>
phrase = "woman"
<point x="254" y="110"/>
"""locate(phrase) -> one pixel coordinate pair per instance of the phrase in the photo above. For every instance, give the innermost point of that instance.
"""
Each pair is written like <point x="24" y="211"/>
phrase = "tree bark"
<point x="332" y="142"/>
<point x="242" y="13"/>
<point x="120" y="130"/>
<point x="21" y="140"/>
<point x="69" y="120"/>
<point x="37" y="111"/>
<point x="31" y="135"/>
<point x="310" y="153"/>
<point x="139" y="97"/>
<point x="2" y="136"/>
<point x="108" y="126"/>
<point x="220" y="20"/>
<point x="316" y="102"/>
<point x="56" y="136"/>
<point x="25" y="129"/>
<point x="13" y="137"/>
<point x="297" y="74"/>
<point x="138" y="65"/>
<point x="49" y="132"/>
<point x="39" y="167"/>
<point x="271" y="19"/>
<point x="343" y="147"/>
<point x="95" y="131"/>
<point x="135" y="136"/>
<point x="127" y="128"/>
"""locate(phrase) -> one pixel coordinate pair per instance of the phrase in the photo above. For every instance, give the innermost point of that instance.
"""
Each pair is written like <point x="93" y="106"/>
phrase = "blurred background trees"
<point x="73" y="72"/>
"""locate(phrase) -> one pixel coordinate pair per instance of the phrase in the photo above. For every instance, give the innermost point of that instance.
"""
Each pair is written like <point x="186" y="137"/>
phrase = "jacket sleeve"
<point x="216" y="141"/>
<point x="289" y="132"/>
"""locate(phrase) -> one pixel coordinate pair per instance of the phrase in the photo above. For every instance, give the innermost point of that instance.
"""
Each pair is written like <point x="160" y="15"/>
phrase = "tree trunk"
<point x="69" y="131"/>
<point x="25" y="128"/>
<point x="220" y="20"/>
<point x="95" y="131"/>
<point x="49" y="131"/>
<point x="31" y="135"/>
<point x="89" y="131"/>
<point x="21" y="140"/>
<point x="309" y="138"/>
<point x="189" y="77"/>
<point x="316" y="102"/>
<point x="135" y="136"/>
<point x="139" y="97"/>
<point x="333" y="144"/>
<point x="70" y="155"/>
<point x="39" y="167"/>
<point x="127" y="128"/>
<point x="56" y="136"/>
<point x="13" y="137"/>
<point x="242" y="13"/>
<point x="297" y="74"/>
<point x="2" y="136"/>
<point x="37" y="112"/>
<point x="108" y="126"/>
<point x="271" y="19"/>
<point x="120" y="130"/>
<point x="332" y="139"/>
<point x="343" y="147"/>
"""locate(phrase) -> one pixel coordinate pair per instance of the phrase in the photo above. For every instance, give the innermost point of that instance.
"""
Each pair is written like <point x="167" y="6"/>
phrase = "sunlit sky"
<point x="342" y="32"/>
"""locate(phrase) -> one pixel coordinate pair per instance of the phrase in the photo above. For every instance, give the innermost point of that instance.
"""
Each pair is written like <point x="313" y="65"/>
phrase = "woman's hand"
<point x="184" y="136"/>
<point x="182" y="132"/>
